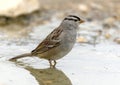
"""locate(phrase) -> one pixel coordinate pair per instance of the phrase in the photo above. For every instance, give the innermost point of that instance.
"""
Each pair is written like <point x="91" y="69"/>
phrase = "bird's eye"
<point x="75" y="20"/>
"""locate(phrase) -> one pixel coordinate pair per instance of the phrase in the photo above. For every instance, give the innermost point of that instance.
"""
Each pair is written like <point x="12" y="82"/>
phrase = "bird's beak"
<point x="82" y="21"/>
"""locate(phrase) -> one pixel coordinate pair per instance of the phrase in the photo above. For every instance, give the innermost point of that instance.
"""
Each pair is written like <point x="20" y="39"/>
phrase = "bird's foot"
<point x="52" y="63"/>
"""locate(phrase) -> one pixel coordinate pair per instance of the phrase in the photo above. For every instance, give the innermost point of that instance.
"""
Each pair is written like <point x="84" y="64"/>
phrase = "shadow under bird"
<point x="58" y="43"/>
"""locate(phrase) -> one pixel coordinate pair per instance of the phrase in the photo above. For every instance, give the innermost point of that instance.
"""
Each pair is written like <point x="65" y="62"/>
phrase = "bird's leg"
<point x="52" y="64"/>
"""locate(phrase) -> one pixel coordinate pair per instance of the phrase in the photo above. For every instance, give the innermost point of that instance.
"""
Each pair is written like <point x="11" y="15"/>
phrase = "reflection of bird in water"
<point x="50" y="76"/>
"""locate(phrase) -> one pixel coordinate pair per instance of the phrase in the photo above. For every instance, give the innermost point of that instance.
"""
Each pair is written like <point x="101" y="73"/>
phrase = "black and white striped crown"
<point x="72" y="18"/>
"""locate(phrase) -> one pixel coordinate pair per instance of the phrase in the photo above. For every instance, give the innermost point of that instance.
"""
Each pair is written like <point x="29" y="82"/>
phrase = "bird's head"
<point x="73" y="19"/>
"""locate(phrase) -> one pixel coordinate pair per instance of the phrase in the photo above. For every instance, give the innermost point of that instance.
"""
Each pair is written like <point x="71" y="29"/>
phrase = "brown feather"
<point x="20" y="56"/>
<point x="50" y="42"/>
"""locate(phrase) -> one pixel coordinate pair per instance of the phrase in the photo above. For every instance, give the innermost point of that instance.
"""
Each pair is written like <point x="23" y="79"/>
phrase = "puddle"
<point x="84" y="63"/>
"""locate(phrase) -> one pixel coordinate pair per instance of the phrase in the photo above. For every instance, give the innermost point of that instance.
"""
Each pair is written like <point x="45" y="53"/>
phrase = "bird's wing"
<point x="51" y="41"/>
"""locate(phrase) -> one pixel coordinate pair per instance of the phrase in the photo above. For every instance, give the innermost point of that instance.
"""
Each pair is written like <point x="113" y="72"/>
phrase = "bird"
<point x="58" y="43"/>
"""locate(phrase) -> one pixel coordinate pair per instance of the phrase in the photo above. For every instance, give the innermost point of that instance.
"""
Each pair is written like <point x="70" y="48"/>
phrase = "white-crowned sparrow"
<point x="58" y="43"/>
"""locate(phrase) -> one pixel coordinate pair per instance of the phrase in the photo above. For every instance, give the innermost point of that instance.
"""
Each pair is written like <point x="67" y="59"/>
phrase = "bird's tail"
<point x="20" y="56"/>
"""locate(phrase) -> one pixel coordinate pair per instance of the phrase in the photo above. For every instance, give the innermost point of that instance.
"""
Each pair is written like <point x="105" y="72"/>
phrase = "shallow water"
<point x="85" y="64"/>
